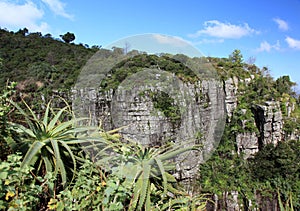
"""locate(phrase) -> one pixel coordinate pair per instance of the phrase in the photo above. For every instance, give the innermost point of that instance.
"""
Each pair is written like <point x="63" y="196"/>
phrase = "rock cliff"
<point x="268" y="119"/>
<point x="198" y="113"/>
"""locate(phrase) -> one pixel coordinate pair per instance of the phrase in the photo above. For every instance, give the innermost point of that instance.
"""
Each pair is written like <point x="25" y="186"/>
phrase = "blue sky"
<point x="266" y="30"/>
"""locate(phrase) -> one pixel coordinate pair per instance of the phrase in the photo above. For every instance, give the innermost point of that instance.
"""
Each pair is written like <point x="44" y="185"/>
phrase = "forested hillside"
<point x="256" y="164"/>
<point x="32" y="57"/>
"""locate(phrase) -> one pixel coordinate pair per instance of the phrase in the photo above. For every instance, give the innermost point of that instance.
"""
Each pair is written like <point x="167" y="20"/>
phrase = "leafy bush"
<point x="279" y="166"/>
<point x="18" y="188"/>
<point x="5" y="109"/>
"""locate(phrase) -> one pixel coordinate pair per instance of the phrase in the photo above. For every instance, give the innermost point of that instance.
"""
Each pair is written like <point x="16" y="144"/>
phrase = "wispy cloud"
<point x="16" y="16"/>
<point x="58" y="8"/>
<point x="265" y="46"/>
<point x="215" y="28"/>
<point x="175" y="41"/>
<point x="282" y="25"/>
<point x="293" y="43"/>
<point x="210" y="41"/>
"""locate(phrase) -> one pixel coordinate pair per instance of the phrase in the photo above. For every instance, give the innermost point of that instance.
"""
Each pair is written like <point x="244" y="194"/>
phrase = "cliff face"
<point x="231" y="92"/>
<point x="198" y="111"/>
<point x="267" y="119"/>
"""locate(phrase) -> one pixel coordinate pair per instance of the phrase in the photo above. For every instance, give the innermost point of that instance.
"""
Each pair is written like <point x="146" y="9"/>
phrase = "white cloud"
<point x="210" y="41"/>
<point x="218" y="29"/>
<point x="282" y="25"/>
<point x="265" y="46"/>
<point x="58" y="8"/>
<point x="17" y="16"/>
<point x="277" y="46"/>
<point x="293" y="43"/>
<point x="175" y="41"/>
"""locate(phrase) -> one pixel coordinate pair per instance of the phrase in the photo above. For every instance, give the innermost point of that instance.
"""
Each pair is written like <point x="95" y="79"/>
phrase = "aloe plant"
<point x="148" y="171"/>
<point x="49" y="142"/>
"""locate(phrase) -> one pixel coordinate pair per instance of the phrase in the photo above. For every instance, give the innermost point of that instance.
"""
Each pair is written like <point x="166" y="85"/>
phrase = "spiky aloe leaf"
<point x="176" y="151"/>
<point x="20" y="128"/>
<point x="46" y="115"/>
<point x="23" y="113"/>
<point x="148" y="200"/>
<point x="55" y="119"/>
<point x="163" y="175"/>
<point x="72" y="157"/>
<point x="136" y="195"/>
<point x="145" y="176"/>
<point x="173" y="204"/>
<point x="61" y="128"/>
<point x="59" y="167"/>
<point x="170" y="177"/>
<point x="32" y="151"/>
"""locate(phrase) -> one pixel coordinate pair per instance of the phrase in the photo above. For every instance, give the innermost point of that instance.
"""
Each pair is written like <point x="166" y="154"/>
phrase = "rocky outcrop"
<point x="231" y="91"/>
<point x="269" y="121"/>
<point x="247" y="143"/>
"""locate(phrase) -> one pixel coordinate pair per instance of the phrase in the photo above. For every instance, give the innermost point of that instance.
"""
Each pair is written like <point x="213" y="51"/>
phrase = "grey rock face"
<point x="269" y="121"/>
<point x="202" y="117"/>
<point x="231" y="91"/>
<point x="203" y="107"/>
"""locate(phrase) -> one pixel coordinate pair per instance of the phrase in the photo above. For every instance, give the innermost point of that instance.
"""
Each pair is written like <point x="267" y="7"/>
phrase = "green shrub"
<point x="5" y="130"/>
<point x="18" y="188"/>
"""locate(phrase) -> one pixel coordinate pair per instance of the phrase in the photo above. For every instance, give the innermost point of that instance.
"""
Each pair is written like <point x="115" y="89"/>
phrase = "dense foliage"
<point x="37" y="61"/>
<point x="142" y="61"/>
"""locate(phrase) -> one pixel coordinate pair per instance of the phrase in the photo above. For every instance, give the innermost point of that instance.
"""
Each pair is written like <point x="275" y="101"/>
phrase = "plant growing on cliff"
<point x="165" y="104"/>
<point x="226" y="171"/>
<point x="140" y="62"/>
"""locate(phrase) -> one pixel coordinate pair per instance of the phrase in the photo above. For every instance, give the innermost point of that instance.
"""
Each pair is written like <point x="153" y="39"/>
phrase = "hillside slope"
<point x="40" y="58"/>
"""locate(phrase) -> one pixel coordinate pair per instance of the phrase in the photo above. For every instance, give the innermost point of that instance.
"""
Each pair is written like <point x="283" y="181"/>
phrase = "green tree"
<point x="236" y="58"/>
<point x="23" y="31"/>
<point x="68" y="37"/>
<point x="226" y="171"/>
<point x="284" y="85"/>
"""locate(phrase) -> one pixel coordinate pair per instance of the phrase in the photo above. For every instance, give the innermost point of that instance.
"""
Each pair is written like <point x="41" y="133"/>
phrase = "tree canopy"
<point x="68" y="37"/>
